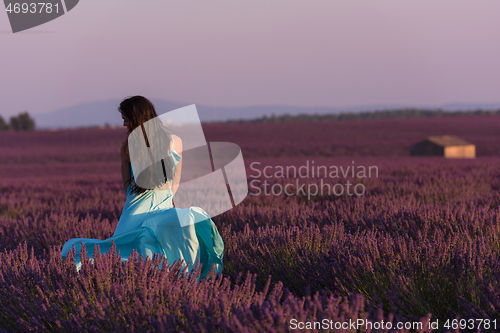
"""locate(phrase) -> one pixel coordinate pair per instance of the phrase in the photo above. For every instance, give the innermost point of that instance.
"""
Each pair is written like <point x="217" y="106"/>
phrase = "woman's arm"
<point x="178" y="167"/>
<point x="125" y="167"/>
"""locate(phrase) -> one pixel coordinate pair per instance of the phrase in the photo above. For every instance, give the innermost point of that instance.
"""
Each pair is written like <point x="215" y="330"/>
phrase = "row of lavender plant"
<point x="110" y="296"/>
<point x="383" y="137"/>
<point x="423" y="239"/>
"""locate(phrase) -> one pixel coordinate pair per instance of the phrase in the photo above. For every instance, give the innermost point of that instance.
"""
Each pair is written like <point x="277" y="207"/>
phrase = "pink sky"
<point x="255" y="52"/>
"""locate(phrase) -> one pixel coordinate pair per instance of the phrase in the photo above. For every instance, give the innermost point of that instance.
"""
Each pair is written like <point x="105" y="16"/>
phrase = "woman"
<point x="149" y="222"/>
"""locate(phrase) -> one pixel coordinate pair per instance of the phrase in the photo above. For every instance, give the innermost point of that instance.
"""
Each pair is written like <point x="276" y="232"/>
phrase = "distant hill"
<point x="89" y="114"/>
<point x="105" y="112"/>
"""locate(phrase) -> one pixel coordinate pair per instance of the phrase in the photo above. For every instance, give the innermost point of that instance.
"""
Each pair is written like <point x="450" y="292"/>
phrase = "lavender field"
<point x="421" y="244"/>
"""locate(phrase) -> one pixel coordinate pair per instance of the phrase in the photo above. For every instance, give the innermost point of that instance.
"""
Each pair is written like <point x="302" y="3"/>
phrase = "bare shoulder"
<point x="177" y="143"/>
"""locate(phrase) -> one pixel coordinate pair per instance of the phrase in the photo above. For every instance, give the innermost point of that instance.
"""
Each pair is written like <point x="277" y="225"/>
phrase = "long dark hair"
<point x="139" y="110"/>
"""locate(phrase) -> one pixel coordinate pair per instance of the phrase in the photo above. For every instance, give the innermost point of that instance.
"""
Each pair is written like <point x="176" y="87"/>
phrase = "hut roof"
<point x="448" y="140"/>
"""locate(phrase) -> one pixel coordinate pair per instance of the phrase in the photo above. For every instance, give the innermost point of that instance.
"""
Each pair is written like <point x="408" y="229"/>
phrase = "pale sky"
<point x="256" y="52"/>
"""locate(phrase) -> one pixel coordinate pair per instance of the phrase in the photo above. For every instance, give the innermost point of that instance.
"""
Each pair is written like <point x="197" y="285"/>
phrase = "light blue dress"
<point x="150" y="224"/>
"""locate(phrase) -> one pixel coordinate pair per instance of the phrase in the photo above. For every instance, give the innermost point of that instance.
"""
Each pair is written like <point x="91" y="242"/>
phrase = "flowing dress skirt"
<point x="150" y="224"/>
